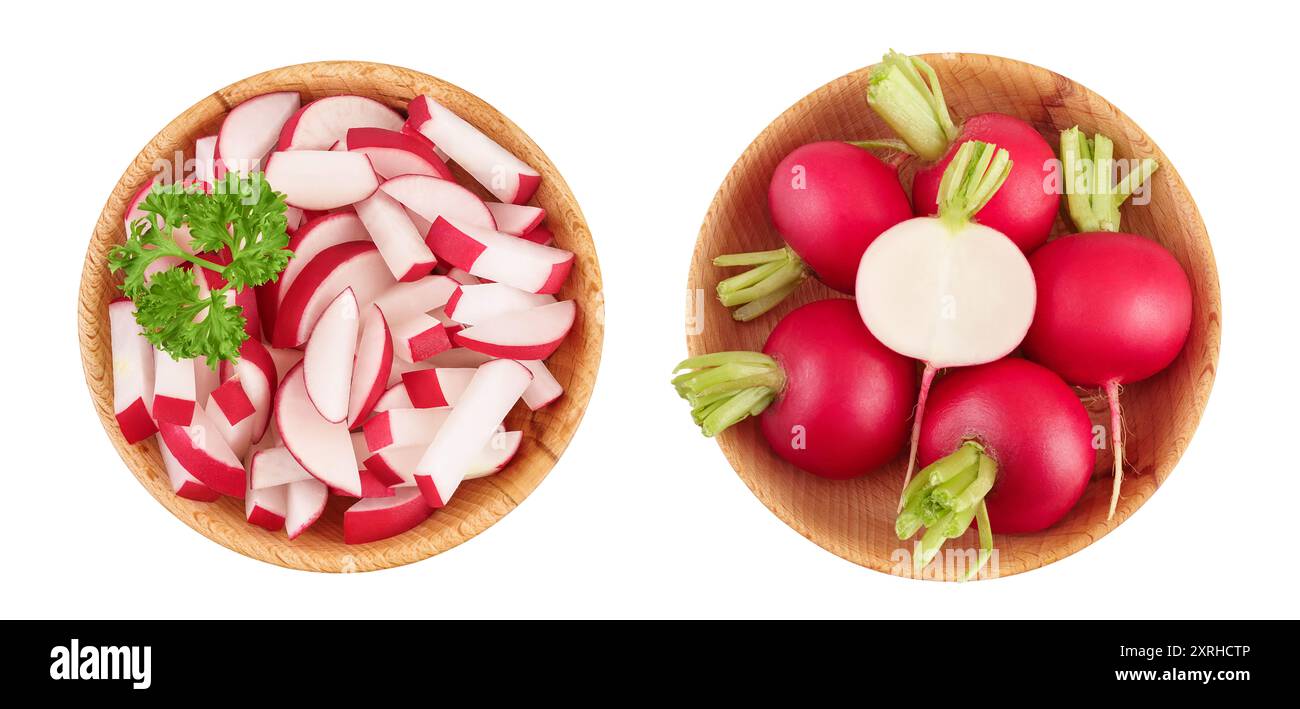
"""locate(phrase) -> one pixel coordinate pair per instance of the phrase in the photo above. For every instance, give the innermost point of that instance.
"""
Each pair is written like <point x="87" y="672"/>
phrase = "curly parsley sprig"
<point x="240" y="218"/>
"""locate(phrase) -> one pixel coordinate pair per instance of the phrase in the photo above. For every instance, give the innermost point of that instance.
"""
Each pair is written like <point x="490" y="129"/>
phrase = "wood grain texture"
<point x="854" y="519"/>
<point x="478" y="503"/>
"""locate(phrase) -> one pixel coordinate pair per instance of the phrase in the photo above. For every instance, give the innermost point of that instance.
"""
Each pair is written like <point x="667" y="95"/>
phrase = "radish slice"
<point x="251" y="129"/>
<point x="525" y="334"/>
<point x="306" y="501"/>
<point x="431" y="197"/>
<point x="324" y="122"/>
<point x="496" y="455"/>
<point x="419" y="337"/>
<point x="133" y="375"/>
<point x="374" y="362"/>
<point x="321" y="179"/>
<point x="378" y="518"/>
<point x="267" y="507"/>
<point x="399" y="462"/>
<point x="540" y="235"/>
<point x="233" y="402"/>
<point x="406" y="299"/>
<point x="355" y="265"/>
<point x="403" y="249"/>
<point x="327" y="365"/>
<point x="206" y="381"/>
<point x="373" y="485"/>
<point x="460" y="275"/>
<point x="237" y="434"/>
<point x="322" y="448"/>
<point x="403" y="427"/>
<point x="495" y="388"/>
<point x="284" y="359"/>
<point x="433" y="388"/>
<point x="273" y="467"/>
<point x="201" y="450"/>
<point x="205" y="165"/>
<point x="184" y="484"/>
<point x="544" y="389"/>
<point x="504" y="175"/>
<point x="256" y="370"/>
<point x="394" y="398"/>
<point x="394" y="153"/>
<point x="516" y="219"/>
<point x="500" y="257"/>
<point x="314" y="237"/>
<point x="174" y="389"/>
<point x="475" y="304"/>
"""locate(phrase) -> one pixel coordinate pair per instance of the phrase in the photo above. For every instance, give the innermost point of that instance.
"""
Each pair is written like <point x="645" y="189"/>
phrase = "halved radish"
<point x="545" y="387"/>
<point x="403" y="427"/>
<point x="516" y="219"/>
<point x="504" y="175"/>
<point x="525" y="334"/>
<point x="399" y="462"/>
<point x="133" y="375"/>
<point x="440" y="386"/>
<point x="327" y="365"/>
<point x="401" y="366"/>
<point x="401" y="244"/>
<point x="324" y="122"/>
<point x="475" y="304"/>
<point x="419" y="337"/>
<point x="314" y="237"/>
<point x="272" y="467"/>
<point x="373" y="363"/>
<point x="378" y="518"/>
<point x="500" y="257"/>
<point x="356" y="265"/>
<point x="541" y="235"/>
<point x="284" y="360"/>
<point x="184" y="484"/>
<point x="321" y="179"/>
<point x="201" y="450"/>
<point x="306" y="502"/>
<point x="256" y="370"/>
<point x="322" y="448"/>
<point x="406" y="299"/>
<point x="205" y="164"/>
<point x="251" y="129"/>
<point x="267" y="507"/>
<point x="492" y="392"/>
<point x="431" y="197"/>
<point x="496" y="455"/>
<point x="174" y="390"/>
<point x="394" y="153"/>
<point x="395" y="397"/>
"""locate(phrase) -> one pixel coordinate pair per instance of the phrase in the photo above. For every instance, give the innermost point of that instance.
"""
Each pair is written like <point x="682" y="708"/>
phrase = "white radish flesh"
<point x="504" y="175"/>
<point x="525" y="334"/>
<point x="322" y="448"/>
<point x="184" y="484"/>
<point x="355" y="265"/>
<point x="419" y="337"/>
<point x="475" y="304"/>
<point x="516" y="219"/>
<point x="400" y="243"/>
<point x="324" y="122"/>
<point x="374" y="360"/>
<point x="406" y="299"/>
<point x="403" y="427"/>
<point x="378" y="518"/>
<point x="545" y="387"/>
<point x="205" y="165"/>
<point x="498" y="452"/>
<point x="321" y="179"/>
<point x="267" y="507"/>
<point x="500" y="257"/>
<point x="431" y="197"/>
<point x="174" y="389"/>
<point x="400" y="462"/>
<point x="327" y="364"/>
<point x="395" y="397"/>
<point x="306" y="501"/>
<point x="133" y="373"/>
<point x="437" y="387"/>
<point x="252" y="128"/>
<point x="273" y="467"/>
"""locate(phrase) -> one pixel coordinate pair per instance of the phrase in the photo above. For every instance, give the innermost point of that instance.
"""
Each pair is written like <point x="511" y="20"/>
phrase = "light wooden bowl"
<point x="478" y="503"/>
<point x="854" y="519"/>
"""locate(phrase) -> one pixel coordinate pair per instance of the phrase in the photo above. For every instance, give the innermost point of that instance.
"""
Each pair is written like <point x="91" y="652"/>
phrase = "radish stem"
<point x="775" y="274"/>
<point x="1093" y="197"/>
<point x="1116" y="443"/>
<point x="970" y="181"/>
<point x="725" y="388"/>
<point x="905" y="92"/>
<point x="946" y="497"/>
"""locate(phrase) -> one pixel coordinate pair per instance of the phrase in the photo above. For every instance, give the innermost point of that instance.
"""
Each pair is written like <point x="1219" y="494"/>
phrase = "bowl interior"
<point x="478" y="503"/>
<point x="854" y="519"/>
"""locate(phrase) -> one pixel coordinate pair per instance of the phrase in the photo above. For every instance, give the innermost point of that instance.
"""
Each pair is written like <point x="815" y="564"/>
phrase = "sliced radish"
<point x="431" y="197"/>
<point x="373" y="363"/>
<point x="378" y="518"/>
<point x="394" y="398"/>
<point x="356" y="265"/>
<point x="201" y="450"/>
<point x="322" y="448"/>
<point x="540" y="235"/>
<point x="267" y="507"/>
<point x="394" y="153"/>
<point x="256" y="370"/>
<point x="440" y="386"/>
<point x="184" y="484"/>
<point x="516" y="219"/>
<point x="525" y="334"/>
<point x="205" y="165"/>
<point x="373" y="485"/>
<point x="476" y="304"/>
<point x="406" y="299"/>
<point x="273" y="467"/>
<point x="233" y="402"/>
<point x="251" y="129"/>
<point x="174" y="389"/>
<point x="500" y="257"/>
<point x="403" y="427"/>
<point x="399" y="462"/>
<point x="284" y="360"/>
<point x="401" y="366"/>
<point x="324" y="122"/>
<point x="545" y="387"/>
<point x="327" y="365"/>
<point x="460" y="275"/>
<point x="321" y="179"/>
<point x="504" y="175"/>
<point x="314" y="237"/>
<point x="400" y="243"/>
<point x="133" y="375"/>
<point x="419" y="337"/>
<point x="238" y="435"/>
<point x="496" y="454"/>
<point x="492" y="392"/>
<point x="306" y="502"/>
<point x="206" y="381"/>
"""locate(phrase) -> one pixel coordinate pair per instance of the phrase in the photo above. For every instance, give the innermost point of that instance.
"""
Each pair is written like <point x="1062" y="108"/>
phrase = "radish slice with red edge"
<point x="201" y="450"/>
<point x="327" y="364"/>
<point x="393" y="153"/>
<point x="133" y="375"/>
<point x="356" y="265"/>
<point x="492" y="166"/>
<point x="545" y="387"/>
<point x="273" y="467"/>
<point x="267" y="507"/>
<point x="376" y="518"/>
<point x="324" y="122"/>
<point x="305" y="502"/>
<point x="436" y="387"/>
<point x="373" y="363"/>
<point x="184" y="484"/>
<point x="174" y="389"/>
<point x="205" y="166"/>
<point x="322" y="448"/>
<point x="419" y="337"/>
<point x="251" y="129"/>
<point x="395" y="397"/>
<point x="321" y="179"/>
<point x="525" y="334"/>
<point x="402" y="246"/>
<point x="432" y="197"/>
<point x="424" y="295"/>
<point x="476" y="304"/>
<point x="314" y="237"/>
<point x="399" y="462"/>
<point x="516" y="219"/>
<point x="403" y="427"/>
<point x="500" y="257"/>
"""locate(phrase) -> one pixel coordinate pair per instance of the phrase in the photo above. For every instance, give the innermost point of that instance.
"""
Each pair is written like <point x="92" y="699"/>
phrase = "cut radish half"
<point x="306" y="502"/>
<point x="356" y="265"/>
<point x="431" y="197"/>
<point x="492" y="392"/>
<point x="133" y="375"/>
<point x="525" y="334"/>
<point x="327" y="364"/>
<point x="394" y="153"/>
<point x="516" y="219"/>
<point x="476" y="304"/>
<point x="399" y="462"/>
<point x="267" y="507"/>
<point x="321" y="179"/>
<point x="201" y="450"/>
<point x="496" y="455"/>
<point x="205" y="166"/>
<point x="504" y="175"/>
<point x="251" y="129"/>
<point x="238" y="435"/>
<point x="441" y="386"/>
<point x="545" y="387"/>
<point x="184" y="484"/>
<point x="284" y="359"/>
<point x="394" y="398"/>
<point x="419" y="337"/>
<point x="378" y="518"/>
<point x="401" y="366"/>
<point x="273" y="467"/>
<point x="403" y="249"/>
<point x="322" y="448"/>
<point x="324" y="122"/>
<point x="174" y="389"/>
<point x="403" y="427"/>
<point x="373" y="363"/>
<point x="540" y="235"/>
<point x="500" y="257"/>
<point x="406" y="299"/>
<point x="256" y="370"/>
<point x="373" y="485"/>
<point x="314" y="237"/>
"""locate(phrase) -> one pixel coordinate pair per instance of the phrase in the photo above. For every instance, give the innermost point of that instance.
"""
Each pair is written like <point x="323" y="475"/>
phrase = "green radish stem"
<point x="775" y="274"/>
<point x="944" y="499"/>
<point x="905" y="92"/>
<point x="1092" y="195"/>
<point x="725" y="388"/>
<point x="970" y="181"/>
<point x="1116" y="443"/>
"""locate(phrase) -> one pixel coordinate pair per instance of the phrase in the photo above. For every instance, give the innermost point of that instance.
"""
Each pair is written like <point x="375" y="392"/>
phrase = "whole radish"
<point x="1007" y="443"/>
<point x="829" y="200"/>
<point x="834" y="401"/>
<point x="1113" y="308"/>
<point x="946" y="290"/>
<point x="905" y="92"/>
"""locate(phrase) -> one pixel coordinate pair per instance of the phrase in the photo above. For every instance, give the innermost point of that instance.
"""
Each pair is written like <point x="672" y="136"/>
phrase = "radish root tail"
<point x="1116" y="444"/>
<point x="927" y="378"/>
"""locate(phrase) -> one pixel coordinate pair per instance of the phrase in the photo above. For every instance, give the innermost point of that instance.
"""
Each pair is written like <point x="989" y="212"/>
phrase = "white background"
<point x="644" y="109"/>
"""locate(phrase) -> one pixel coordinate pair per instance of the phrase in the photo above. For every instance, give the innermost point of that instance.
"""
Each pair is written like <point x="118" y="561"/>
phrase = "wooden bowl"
<point x="854" y="519"/>
<point x="478" y="503"/>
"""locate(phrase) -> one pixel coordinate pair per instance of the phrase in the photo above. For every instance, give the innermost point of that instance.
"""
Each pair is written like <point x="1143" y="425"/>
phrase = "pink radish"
<point x="945" y="290"/>
<point x="327" y="365"/>
<point x="400" y="462"/>
<point x="322" y="448"/>
<point x="905" y="92"/>
<point x="238" y="435"/>
<point x="422" y="296"/>
<point x="267" y="507"/>
<point x="402" y="246"/>
<point x="373" y="485"/>
<point x="133" y="375"/>
<point x="205" y="164"/>
<point x="373" y="519"/>
<point x="356" y="265"/>
<point x="419" y="337"/>
<point x="201" y="450"/>
<point x="829" y="201"/>
<point x="374" y="361"/>
<point x="492" y="392"/>
<point x="504" y="175"/>
<point x="541" y="235"/>
<point x="256" y="370"/>
<point x="324" y="122"/>
<point x="834" y="400"/>
<point x="476" y="304"/>
<point x="184" y="484"/>
<point x="1006" y="443"/>
<point x="516" y="219"/>
<point x="436" y="387"/>
<point x="461" y="276"/>
<point x="393" y="153"/>
<point x="1113" y="308"/>
<point x="404" y="427"/>
<point x="496" y="455"/>
<point x="524" y="334"/>
<point x="284" y="359"/>
<point x="395" y="397"/>
<point x="273" y="467"/>
<point x="305" y="501"/>
<point x="251" y="129"/>
<point x="321" y="179"/>
<point x="174" y="390"/>
<point x="431" y="197"/>
<point x="544" y="389"/>
<point x="458" y="357"/>
<point x="314" y="237"/>
<point x="233" y="401"/>
<point x="500" y="257"/>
